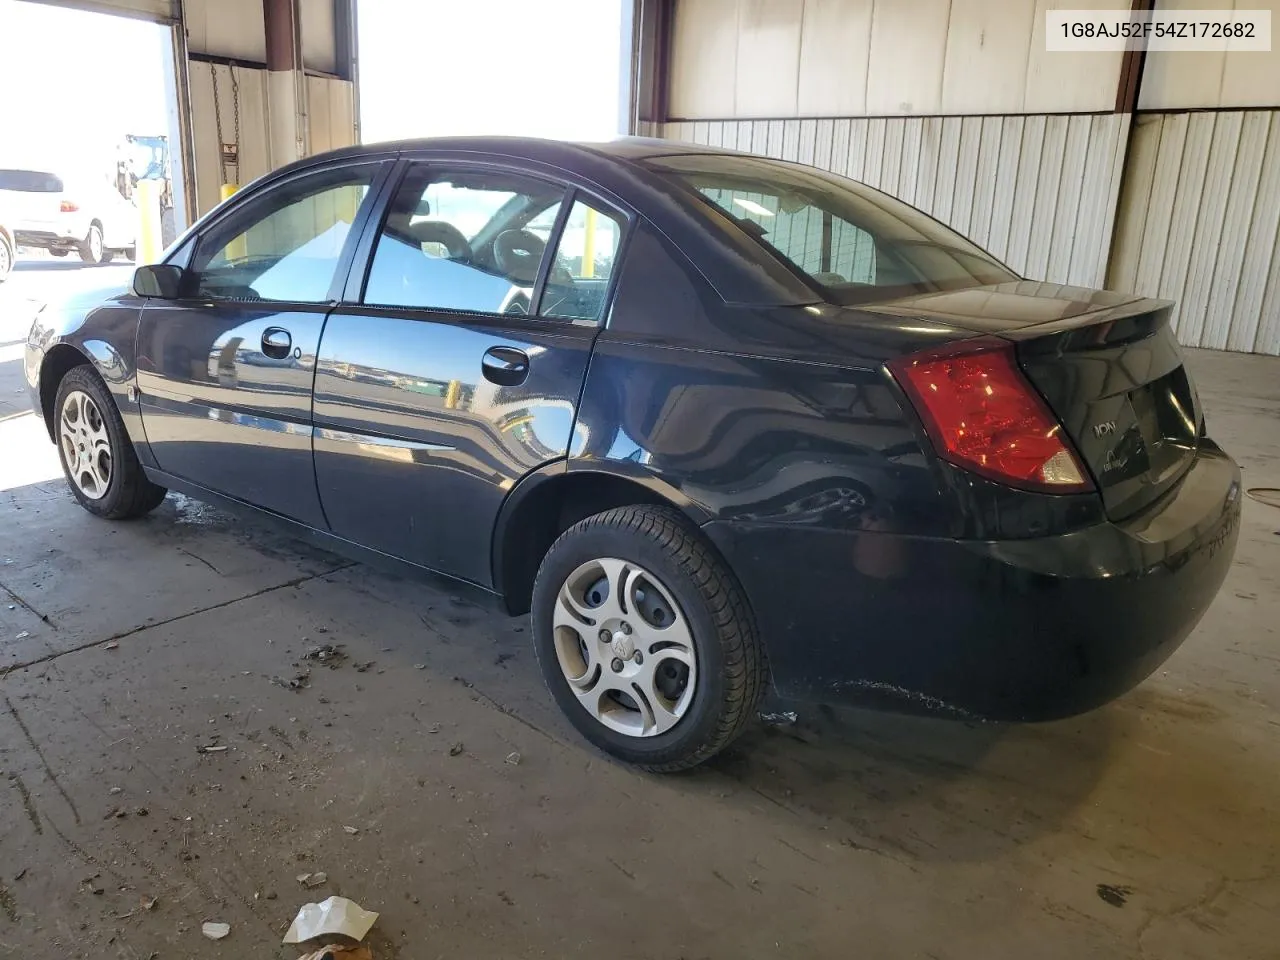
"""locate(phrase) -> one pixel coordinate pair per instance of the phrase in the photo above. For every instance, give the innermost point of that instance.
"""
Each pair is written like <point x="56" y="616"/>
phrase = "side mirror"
<point x="162" y="281"/>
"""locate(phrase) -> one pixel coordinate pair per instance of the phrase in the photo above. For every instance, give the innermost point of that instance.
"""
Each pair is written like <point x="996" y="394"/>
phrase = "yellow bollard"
<point x="589" y="245"/>
<point x="149" y="244"/>
<point x="452" y="394"/>
<point x="238" y="248"/>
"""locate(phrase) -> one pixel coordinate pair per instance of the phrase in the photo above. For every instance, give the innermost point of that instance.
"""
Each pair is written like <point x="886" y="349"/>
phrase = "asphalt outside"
<point x="157" y="771"/>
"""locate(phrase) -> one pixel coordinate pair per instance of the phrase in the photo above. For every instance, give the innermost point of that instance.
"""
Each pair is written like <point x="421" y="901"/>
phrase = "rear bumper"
<point x="1003" y="630"/>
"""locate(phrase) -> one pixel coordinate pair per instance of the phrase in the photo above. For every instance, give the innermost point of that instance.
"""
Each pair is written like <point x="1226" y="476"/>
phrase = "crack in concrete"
<point x="44" y="617"/>
<point x="27" y="803"/>
<point x="48" y="658"/>
<point x="40" y="753"/>
<point x="194" y="556"/>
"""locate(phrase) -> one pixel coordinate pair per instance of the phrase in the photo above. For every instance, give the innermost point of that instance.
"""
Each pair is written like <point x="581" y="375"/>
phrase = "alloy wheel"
<point x="86" y="445"/>
<point x="625" y="647"/>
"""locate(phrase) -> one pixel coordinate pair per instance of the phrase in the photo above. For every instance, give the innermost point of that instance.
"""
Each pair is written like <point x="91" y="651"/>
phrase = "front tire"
<point x="6" y="258"/>
<point x="645" y="639"/>
<point x="91" y="249"/>
<point x="97" y="455"/>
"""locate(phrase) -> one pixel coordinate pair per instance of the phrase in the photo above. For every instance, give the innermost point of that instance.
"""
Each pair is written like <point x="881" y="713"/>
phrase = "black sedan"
<point x="720" y="422"/>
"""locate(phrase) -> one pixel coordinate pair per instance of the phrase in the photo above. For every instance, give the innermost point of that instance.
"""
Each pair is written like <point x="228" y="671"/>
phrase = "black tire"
<point x="131" y="253"/>
<point x="107" y="255"/>
<point x="7" y="254"/>
<point x="57" y="252"/>
<point x="129" y="493"/>
<point x="731" y="663"/>
<point x="91" y="249"/>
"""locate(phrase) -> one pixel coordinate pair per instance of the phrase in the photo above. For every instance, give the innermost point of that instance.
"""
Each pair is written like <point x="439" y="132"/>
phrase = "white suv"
<point x="92" y="219"/>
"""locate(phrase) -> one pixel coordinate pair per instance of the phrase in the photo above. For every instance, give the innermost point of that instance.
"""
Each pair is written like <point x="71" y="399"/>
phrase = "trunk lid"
<point x="1107" y="364"/>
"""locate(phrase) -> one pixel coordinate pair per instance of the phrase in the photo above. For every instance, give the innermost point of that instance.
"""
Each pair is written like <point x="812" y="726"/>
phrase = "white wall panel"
<point x="704" y="59"/>
<point x="908" y="51"/>
<point x="254" y="153"/>
<point x="988" y="48"/>
<point x="835" y="41"/>
<point x="330" y="113"/>
<point x="318" y="45"/>
<point x="1198" y="224"/>
<point x="1208" y="79"/>
<point x="814" y="58"/>
<point x="1038" y="192"/>
<point x="227" y="28"/>
<point x="768" y="63"/>
<point x="1069" y="82"/>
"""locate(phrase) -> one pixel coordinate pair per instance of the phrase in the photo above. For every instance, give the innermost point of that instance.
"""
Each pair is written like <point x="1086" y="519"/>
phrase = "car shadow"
<point x="921" y="788"/>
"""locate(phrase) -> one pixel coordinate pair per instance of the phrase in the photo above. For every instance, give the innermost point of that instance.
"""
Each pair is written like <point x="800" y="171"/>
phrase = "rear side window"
<point x="854" y="243"/>
<point x="30" y="181"/>
<point x="466" y="240"/>
<point x="578" y="283"/>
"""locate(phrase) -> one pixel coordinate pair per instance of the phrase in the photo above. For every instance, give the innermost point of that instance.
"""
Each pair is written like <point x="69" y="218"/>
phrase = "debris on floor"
<point x="215" y="931"/>
<point x="784" y="718"/>
<point x="456" y="749"/>
<point x="351" y="830"/>
<point x="330" y="654"/>
<point x="113" y="645"/>
<point x="313" y="880"/>
<point x="337" y="952"/>
<point x="211" y="748"/>
<point x="513" y="758"/>
<point x="299" y="681"/>
<point x="336" y="916"/>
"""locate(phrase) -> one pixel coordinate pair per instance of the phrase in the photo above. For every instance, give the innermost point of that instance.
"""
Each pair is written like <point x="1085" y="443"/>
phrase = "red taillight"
<point x="68" y="206"/>
<point x="983" y="415"/>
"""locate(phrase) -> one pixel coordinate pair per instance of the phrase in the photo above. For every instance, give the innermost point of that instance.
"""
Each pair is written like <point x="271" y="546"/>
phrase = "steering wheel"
<point x="518" y="253"/>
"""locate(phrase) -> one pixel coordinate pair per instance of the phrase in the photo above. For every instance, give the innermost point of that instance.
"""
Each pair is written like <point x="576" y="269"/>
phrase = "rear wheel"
<point x="91" y="247"/>
<point x="645" y="639"/>
<point x="97" y="455"/>
<point x="6" y="258"/>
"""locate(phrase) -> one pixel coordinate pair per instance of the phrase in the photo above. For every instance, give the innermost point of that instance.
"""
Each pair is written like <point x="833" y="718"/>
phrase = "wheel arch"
<point x="57" y="363"/>
<point x="547" y="502"/>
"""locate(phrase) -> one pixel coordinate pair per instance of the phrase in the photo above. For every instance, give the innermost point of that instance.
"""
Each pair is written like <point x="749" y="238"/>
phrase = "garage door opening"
<point x="439" y="68"/>
<point x="89" y="171"/>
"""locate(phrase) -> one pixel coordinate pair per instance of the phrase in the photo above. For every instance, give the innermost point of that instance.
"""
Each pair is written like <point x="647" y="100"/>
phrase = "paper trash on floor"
<point x="337" y="915"/>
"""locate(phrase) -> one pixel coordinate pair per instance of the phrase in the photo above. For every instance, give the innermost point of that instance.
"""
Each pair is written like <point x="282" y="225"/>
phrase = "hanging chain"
<point x="217" y="119"/>
<point x="235" y="107"/>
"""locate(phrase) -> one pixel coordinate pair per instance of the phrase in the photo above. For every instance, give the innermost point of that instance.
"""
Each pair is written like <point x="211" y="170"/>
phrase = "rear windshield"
<point x="855" y="243"/>
<point x="29" y="181"/>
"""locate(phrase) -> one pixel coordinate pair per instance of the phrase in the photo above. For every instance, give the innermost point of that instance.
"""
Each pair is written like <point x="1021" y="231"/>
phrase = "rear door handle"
<point x="505" y="366"/>
<point x="276" y="342"/>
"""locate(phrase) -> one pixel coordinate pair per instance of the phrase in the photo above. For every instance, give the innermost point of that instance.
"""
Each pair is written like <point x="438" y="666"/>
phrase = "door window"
<point x="284" y="246"/>
<point x="578" y="283"/>
<point x="463" y="240"/>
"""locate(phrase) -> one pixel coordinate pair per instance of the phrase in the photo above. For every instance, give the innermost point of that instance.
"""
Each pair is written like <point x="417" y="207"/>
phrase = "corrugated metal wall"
<point x="1198" y="224"/>
<point x="1038" y="192"/>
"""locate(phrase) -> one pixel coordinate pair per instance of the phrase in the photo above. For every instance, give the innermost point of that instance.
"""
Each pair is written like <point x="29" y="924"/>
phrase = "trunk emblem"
<point x="1104" y="429"/>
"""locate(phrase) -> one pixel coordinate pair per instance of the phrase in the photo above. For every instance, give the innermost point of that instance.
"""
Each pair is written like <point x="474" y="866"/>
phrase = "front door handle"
<point x="505" y="366"/>
<point x="276" y="342"/>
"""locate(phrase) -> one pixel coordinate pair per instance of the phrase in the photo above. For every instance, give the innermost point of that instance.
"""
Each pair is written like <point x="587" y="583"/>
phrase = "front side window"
<point x="284" y="246"/>
<point x="855" y="243"/>
<point x="469" y="240"/>
<point x="578" y="283"/>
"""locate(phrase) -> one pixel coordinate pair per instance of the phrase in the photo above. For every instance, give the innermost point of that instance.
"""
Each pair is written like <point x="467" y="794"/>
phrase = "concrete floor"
<point x="1147" y="828"/>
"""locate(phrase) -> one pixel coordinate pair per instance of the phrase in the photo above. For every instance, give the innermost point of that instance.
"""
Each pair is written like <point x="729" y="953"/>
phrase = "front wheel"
<point x="6" y="258"/>
<point x="645" y="638"/>
<point x="97" y="455"/>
